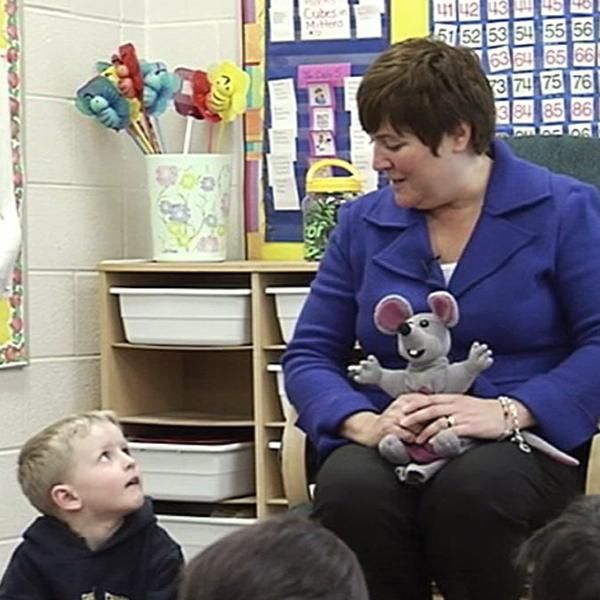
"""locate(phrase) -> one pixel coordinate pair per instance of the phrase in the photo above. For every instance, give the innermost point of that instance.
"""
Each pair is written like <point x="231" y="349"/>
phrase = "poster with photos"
<point x="315" y="53"/>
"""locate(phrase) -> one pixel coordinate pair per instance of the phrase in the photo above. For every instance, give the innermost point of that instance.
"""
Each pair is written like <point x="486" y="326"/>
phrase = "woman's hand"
<point x="367" y="428"/>
<point x="468" y="416"/>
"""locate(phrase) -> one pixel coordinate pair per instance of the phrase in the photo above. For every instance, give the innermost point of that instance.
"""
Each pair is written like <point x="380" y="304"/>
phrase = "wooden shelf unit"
<point x="202" y="386"/>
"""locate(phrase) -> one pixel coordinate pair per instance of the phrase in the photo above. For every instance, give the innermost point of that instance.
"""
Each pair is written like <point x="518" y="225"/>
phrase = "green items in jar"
<point x="324" y="196"/>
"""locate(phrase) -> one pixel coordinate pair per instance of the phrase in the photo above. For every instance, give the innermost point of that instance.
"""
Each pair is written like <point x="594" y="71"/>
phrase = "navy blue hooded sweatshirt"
<point x="138" y="562"/>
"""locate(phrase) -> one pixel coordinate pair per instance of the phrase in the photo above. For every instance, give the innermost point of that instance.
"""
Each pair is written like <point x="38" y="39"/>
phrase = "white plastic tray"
<point x="285" y="402"/>
<point x="288" y="303"/>
<point x="185" y="316"/>
<point x="194" y="472"/>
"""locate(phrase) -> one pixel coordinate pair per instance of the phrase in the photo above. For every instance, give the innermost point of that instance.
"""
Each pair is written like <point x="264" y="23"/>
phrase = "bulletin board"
<point x="12" y="335"/>
<point x="310" y="103"/>
<point x="305" y="59"/>
<point x="540" y="56"/>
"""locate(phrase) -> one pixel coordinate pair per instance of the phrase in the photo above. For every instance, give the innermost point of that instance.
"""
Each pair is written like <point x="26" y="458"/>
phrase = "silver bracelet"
<point x="506" y="414"/>
<point x="509" y="408"/>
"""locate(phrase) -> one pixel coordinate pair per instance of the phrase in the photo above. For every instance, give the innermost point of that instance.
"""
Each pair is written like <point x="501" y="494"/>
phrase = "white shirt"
<point x="448" y="269"/>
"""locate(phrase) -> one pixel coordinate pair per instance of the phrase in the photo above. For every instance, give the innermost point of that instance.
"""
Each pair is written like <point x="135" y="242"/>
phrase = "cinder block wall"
<point x="85" y="199"/>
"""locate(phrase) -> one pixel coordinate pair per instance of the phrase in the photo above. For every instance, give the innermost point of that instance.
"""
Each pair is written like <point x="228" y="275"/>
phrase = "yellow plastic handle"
<point x="332" y="162"/>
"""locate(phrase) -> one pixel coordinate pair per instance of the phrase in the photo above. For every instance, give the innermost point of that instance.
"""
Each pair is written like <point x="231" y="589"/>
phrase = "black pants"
<point x="461" y="529"/>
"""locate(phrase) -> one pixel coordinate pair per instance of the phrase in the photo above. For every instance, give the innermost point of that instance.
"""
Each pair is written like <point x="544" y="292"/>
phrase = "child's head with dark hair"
<point x="564" y="556"/>
<point x="289" y="558"/>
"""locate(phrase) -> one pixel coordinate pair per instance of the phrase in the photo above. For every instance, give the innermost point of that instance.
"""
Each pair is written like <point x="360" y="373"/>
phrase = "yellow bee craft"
<point x="228" y="89"/>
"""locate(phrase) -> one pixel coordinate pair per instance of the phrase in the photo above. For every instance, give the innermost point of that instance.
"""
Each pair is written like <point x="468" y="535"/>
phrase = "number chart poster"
<point x="541" y="58"/>
<point x="12" y="335"/>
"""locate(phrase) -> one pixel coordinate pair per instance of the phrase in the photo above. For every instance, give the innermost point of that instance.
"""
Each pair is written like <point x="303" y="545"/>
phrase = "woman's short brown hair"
<point x="426" y="87"/>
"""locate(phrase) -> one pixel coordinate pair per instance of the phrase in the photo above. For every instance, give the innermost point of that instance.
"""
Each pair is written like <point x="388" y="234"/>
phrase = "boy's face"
<point x="104" y="476"/>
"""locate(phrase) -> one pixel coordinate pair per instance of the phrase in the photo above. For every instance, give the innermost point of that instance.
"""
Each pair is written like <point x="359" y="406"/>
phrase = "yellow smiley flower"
<point x="229" y="86"/>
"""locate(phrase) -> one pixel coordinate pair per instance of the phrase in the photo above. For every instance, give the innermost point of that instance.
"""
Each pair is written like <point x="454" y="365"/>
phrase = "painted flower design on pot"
<point x="188" y="180"/>
<point x="177" y="213"/>
<point x="210" y="243"/>
<point x="166" y="175"/>
<point x="177" y="218"/>
<point x="207" y="183"/>
<point x="225" y="204"/>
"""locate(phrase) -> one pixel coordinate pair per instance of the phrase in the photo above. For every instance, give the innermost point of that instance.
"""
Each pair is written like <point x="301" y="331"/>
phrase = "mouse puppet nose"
<point x="404" y="329"/>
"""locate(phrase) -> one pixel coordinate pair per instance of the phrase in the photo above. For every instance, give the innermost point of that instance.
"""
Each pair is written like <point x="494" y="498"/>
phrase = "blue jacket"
<point x="139" y="562"/>
<point x="527" y="284"/>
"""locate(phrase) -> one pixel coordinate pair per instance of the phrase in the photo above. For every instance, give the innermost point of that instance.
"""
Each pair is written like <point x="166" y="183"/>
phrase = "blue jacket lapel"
<point x="514" y="187"/>
<point x="494" y="241"/>
<point x="409" y="252"/>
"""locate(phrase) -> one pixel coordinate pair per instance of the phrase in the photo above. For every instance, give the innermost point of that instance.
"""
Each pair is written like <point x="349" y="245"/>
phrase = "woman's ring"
<point x="450" y="421"/>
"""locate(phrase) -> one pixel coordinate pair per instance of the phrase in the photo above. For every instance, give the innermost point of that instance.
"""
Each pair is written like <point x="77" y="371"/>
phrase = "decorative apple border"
<point x="14" y="352"/>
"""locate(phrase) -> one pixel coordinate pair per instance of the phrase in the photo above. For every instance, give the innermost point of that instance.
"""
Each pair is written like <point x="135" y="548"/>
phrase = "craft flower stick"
<point x="131" y="84"/>
<point x="126" y="93"/>
<point x="130" y="94"/>
<point x="227" y="97"/>
<point x="189" y="100"/>
<point x="127" y="87"/>
<point x="218" y="96"/>
<point x="159" y="89"/>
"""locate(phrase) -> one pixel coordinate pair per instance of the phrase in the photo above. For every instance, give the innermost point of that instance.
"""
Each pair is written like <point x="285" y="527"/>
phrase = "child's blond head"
<point x="46" y="458"/>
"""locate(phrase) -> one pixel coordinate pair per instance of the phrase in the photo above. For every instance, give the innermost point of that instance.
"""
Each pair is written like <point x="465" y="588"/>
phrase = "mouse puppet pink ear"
<point x="390" y="312"/>
<point x="444" y="306"/>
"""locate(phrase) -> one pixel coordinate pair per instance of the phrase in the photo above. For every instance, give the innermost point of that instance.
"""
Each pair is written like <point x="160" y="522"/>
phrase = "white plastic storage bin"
<point x="201" y="473"/>
<point x="194" y="534"/>
<point x="185" y="316"/>
<point x="288" y="303"/>
<point x="285" y="402"/>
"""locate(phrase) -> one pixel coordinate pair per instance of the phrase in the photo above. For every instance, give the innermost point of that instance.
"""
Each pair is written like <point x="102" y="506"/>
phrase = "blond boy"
<point x="97" y="538"/>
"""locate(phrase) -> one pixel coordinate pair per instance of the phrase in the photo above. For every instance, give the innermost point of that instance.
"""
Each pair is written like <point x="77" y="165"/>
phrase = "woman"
<point x="519" y="248"/>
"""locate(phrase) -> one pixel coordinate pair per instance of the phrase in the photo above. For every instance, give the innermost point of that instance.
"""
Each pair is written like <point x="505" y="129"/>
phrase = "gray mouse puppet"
<point x="424" y="341"/>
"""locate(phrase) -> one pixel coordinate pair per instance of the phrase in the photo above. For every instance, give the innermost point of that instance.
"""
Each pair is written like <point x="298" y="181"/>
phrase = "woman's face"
<point x="419" y="179"/>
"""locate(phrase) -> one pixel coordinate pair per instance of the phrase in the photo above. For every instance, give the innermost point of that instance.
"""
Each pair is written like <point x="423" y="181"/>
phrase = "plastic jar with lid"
<point x="324" y="196"/>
